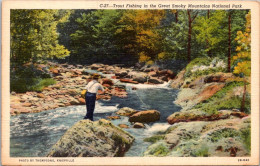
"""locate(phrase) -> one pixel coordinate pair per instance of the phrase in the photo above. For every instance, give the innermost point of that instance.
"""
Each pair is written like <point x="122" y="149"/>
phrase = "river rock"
<point x="113" y="117"/>
<point x="145" y="116"/>
<point x="126" y="111"/>
<point x="138" y="125"/>
<point x="74" y="102"/>
<point x="195" y="115"/>
<point x="92" y="139"/>
<point x="107" y="81"/>
<point x="123" y="126"/>
<point x="96" y="66"/>
<point x="152" y="74"/>
<point x="82" y="101"/>
<point x="110" y="68"/>
<point x="40" y="95"/>
<point x="140" y="79"/>
<point x="128" y="81"/>
<point x="155" y="81"/>
<point x="121" y="74"/>
<point x="54" y="71"/>
<point x="72" y="92"/>
<point x="27" y="104"/>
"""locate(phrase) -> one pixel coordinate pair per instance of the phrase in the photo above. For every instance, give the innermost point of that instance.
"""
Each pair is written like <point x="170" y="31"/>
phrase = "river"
<point x="33" y="135"/>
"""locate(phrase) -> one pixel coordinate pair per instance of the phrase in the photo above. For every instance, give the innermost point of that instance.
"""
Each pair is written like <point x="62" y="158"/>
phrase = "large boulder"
<point x="145" y="116"/>
<point x="92" y="139"/>
<point x="126" y="111"/>
<point x="196" y="115"/>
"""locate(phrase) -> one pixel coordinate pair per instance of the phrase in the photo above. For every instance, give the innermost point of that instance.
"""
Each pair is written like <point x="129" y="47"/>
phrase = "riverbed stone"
<point x="138" y="125"/>
<point x="126" y="111"/>
<point x="113" y="117"/>
<point x="155" y="81"/>
<point x="123" y="126"/>
<point x="145" y="116"/>
<point x="40" y="95"/>
<point x="92" y="139"/>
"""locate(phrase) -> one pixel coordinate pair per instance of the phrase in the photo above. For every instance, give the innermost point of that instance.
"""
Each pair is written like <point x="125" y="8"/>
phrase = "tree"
<point x="144" y="25"/>
<point x="69" y="27"/>
<point x="191" y="17"/>
<point x="173" y="34"/>
<point x="242" y="61"/>
<point x="210" y="32"/>
<point x="34" y="36"/>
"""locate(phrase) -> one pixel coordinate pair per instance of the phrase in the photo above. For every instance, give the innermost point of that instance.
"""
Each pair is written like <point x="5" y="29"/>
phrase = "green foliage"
<point x="159" y="150"/>
<point x="204" y="66"/>
<point x="209" y="31"/>
<point x="41" y="84"/>
<point x="154" y="138"/>
<point x="223" y="92"/>
<point x="31" y="84"/>
<point x="223" y="133"/>
<point x="220" y="100"/>
<point x="34" y="36"/>
<point x="119" y="140"/>
<point x="245" y="134"/>
<point x="203" y="151"/>
<point x="197" y="61"/>
<point x="34" y="39"/>
<point x="174" y="35"/>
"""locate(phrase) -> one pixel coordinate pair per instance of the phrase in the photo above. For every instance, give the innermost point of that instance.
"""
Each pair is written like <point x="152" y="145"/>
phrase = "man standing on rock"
<point x="90" y="97"/>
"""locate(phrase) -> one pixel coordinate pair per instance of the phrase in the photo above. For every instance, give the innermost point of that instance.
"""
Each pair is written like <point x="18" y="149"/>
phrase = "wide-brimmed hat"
<point x="95" y="76"/>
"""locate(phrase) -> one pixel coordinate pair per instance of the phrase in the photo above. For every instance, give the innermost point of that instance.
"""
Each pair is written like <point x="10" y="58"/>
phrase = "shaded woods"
<point x="169" y="38"/>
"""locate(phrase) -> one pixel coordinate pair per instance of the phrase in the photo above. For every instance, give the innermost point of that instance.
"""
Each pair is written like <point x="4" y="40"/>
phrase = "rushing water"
<point x="34" y="134"/>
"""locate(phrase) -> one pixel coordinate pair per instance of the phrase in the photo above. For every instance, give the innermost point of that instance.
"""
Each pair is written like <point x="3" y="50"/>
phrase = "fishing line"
<point x="142" y="101"/>
<point x="137" y="96"/>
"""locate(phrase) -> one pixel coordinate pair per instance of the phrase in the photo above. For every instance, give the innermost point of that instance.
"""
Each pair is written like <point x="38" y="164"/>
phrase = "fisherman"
<point x="90" y="97"/>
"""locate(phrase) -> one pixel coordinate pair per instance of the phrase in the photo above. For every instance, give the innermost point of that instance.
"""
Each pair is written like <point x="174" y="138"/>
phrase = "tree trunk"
<point x="189" y="38"/>
<point x="244" y="98"/>
<point x="191" y="19"/>
<point x="176" y="17"/>
<point x="207" y="42"/>
<point x="229" y="42"/>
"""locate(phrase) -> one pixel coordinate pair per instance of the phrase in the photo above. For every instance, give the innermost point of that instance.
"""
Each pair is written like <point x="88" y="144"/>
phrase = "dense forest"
<point x="170" y="38"/>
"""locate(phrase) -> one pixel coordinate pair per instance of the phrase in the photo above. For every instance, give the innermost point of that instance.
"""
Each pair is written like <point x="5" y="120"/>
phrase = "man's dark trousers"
<point x="90" y="99"/>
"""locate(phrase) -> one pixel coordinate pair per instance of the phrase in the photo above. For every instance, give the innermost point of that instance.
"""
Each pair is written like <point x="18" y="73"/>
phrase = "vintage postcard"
<point x="130" y="82"/>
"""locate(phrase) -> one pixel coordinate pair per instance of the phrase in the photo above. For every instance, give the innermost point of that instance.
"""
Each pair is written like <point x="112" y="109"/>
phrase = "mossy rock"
<point x="92" y="139"/>
<point x="154" y="138"/>
<point x="159" y="149"/>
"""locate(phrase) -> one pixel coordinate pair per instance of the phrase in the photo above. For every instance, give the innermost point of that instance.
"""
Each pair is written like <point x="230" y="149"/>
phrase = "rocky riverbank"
<point x="72" y="79"/>
<point x="203" y="128"/>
